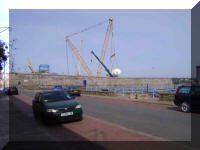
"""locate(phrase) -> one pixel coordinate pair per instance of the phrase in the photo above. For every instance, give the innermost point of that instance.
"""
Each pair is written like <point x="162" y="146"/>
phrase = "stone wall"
<point x="36" y="80"/>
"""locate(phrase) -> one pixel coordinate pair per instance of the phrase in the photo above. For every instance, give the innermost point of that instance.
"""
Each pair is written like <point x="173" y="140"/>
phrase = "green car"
<point x="56" y="106"/>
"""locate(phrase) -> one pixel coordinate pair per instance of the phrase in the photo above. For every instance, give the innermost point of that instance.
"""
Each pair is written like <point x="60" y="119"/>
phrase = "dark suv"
<point x="187" y="98"/>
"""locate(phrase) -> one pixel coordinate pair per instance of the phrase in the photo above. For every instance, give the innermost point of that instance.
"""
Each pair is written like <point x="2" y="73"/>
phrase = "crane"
<point x="30" y="66"/>
<point x="105" y="45"/>
<point x="79" y="67"/>
<point x="79" y="57"/>
<point x="107" y="70"/>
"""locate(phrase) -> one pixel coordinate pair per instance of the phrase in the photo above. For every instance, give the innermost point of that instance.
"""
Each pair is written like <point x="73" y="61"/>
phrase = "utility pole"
<point x="4" y="81"/>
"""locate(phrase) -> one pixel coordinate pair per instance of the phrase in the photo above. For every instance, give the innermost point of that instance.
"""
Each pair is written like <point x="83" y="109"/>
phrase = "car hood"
<point x="61" y="104"/>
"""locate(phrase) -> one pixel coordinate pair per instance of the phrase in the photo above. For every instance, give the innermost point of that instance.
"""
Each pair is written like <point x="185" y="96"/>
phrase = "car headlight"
<point x="52" y="110"/>
<point x="78" y="106"/>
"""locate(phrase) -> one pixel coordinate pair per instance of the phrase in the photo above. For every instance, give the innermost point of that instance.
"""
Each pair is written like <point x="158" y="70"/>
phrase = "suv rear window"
<point x="184" y="90"/>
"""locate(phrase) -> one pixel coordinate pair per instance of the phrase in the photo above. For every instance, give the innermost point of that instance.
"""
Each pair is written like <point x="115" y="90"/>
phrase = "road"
<point x="4" y="120"/>
<point x="104" y="120"/>
<point x="160" y="121"/>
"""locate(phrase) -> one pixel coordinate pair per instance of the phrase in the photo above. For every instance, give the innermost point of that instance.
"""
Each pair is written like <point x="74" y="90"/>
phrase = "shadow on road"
<point x="27" y="133"/>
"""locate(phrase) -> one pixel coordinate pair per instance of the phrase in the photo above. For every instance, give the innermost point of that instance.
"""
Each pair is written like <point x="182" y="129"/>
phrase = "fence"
<point x="122" y="91"/>
<point x="154" y="92"/>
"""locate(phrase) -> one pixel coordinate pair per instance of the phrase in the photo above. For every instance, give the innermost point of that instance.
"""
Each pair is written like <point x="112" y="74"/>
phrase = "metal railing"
<point x="133" y="90"/>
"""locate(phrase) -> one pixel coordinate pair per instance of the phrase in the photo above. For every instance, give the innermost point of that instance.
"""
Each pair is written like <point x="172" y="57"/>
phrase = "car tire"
<point x="185" y="107"/>
<point x="35" y="115"/>
<point x="81" y="118"/>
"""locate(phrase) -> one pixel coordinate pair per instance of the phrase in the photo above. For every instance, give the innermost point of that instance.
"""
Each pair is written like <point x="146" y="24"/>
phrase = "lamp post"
<point x="4" y="81"/>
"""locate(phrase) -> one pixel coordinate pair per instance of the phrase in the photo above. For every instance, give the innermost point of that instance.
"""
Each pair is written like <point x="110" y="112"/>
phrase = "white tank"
<point x="116" y="72"/>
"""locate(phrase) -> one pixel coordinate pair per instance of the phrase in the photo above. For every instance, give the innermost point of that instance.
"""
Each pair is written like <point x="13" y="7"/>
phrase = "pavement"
<point x="4" y="120"/>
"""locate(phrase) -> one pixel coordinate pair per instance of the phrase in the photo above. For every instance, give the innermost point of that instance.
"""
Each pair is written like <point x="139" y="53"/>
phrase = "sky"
<point x="148" y="43"/>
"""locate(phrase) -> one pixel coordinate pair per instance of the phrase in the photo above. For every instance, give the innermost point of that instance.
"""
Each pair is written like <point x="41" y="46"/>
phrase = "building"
<point x="198" y="74"/>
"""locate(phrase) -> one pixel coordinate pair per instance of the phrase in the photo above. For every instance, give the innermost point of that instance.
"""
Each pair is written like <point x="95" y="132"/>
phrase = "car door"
<point x="184" y="94"/>
<point x="35" y="104"/>
<point x="196" y="97"/>
<point x="40" y="105"/>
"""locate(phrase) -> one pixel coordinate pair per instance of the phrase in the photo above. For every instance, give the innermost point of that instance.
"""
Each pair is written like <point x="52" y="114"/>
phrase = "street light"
<point x="4" y="81"/>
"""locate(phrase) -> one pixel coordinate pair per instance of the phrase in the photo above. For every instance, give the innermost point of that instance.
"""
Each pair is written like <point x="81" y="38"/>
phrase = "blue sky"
<point x="148" y="43"/>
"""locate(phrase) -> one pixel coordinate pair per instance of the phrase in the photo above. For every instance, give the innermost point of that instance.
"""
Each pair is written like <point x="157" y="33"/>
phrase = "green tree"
<point x="3" y="56"/>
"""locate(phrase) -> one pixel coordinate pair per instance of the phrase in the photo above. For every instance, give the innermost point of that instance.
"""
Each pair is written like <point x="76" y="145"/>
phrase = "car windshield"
<point x="56" y="96"/>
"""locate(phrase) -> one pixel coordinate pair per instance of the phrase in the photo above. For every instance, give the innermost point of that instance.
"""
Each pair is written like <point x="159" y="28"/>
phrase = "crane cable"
<point x="86" y="29"/>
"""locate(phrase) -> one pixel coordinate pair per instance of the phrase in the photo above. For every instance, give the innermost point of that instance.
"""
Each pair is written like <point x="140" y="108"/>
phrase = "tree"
<point x="3" y="56"/>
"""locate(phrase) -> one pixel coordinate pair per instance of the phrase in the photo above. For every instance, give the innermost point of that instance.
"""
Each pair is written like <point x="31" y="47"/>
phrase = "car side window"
<point x="184" y="90"/>
<point x="197" y="90"/>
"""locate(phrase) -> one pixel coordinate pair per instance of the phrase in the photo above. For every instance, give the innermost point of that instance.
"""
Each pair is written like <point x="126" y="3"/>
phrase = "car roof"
<point x="50" y="91"/>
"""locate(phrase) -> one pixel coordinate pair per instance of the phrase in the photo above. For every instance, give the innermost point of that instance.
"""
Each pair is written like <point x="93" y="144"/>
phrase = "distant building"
<point x="43" y="68"/>
<point x="198" y="74"/>
<point x="2" y="80"/>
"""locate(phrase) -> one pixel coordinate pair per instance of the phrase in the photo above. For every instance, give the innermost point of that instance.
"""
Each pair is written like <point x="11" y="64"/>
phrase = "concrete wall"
<point x="35" y="80"/>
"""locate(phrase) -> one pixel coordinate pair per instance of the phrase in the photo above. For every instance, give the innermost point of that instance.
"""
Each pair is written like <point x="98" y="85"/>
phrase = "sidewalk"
<point x="4" y="120"/>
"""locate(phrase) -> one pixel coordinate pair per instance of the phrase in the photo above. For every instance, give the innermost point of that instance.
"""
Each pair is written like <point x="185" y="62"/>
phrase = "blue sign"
<point x="43" y="68"/>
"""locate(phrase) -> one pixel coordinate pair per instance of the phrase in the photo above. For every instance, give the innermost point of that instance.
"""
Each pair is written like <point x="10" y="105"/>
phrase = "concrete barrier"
<point x="33" y="80"/>
<point x="140" y="96"/>
<point x="166" y="96"/>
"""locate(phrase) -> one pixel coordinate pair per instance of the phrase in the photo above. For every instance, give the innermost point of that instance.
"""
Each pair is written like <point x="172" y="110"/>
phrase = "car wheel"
<point x="81" y="118"/>
<point x="35" y="115"/>
<point x="185" y="107"/>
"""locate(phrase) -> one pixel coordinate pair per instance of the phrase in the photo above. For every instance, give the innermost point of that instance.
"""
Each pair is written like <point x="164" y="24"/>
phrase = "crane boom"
<point x="107" y="70"/>
<point x="78" y="55"/>
<point x="30" y="66"/>
<point x="105" y="45"/>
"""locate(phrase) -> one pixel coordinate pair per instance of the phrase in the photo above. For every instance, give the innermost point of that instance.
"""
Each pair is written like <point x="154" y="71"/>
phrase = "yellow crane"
<point x="30" y="66"/>
<point x="79" y="57"/>
<point x="105" y="45"/>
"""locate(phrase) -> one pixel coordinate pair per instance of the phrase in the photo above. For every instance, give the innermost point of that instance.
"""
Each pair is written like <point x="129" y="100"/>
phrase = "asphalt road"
<point x="167" y="124"/>
<point x="4" y="120"/>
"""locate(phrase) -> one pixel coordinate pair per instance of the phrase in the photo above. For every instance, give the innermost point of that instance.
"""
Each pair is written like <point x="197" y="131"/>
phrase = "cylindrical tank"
<point x="116" y="72"/>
